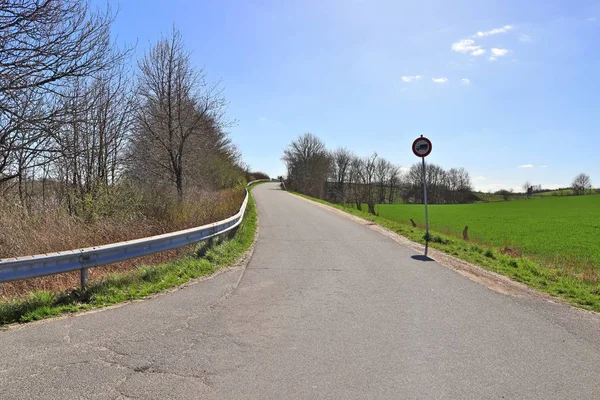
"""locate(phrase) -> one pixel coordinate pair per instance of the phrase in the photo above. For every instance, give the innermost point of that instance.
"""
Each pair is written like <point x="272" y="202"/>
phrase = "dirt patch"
<point x="510" y="252"/>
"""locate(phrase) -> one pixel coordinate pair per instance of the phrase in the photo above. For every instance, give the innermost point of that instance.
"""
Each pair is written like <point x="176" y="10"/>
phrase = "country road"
<point x="325" y="309"/>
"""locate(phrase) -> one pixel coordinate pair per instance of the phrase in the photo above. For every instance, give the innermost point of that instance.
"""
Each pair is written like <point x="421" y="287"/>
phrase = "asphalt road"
<point x="326" y="309"/>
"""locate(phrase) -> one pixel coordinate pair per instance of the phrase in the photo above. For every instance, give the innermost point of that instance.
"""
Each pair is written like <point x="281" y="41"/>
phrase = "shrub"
<point x="439" y="239"/>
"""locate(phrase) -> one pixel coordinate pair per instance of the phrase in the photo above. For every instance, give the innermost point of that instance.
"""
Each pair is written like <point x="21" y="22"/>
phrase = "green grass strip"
<point x="135" y="284"/>
<point x="554" y="281"/>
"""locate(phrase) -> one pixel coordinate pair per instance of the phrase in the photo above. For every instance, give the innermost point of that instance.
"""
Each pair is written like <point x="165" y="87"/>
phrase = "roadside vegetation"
<point x="576" y="283"/>
<point x="97" y="147"/>
<point x="119" y="287"/>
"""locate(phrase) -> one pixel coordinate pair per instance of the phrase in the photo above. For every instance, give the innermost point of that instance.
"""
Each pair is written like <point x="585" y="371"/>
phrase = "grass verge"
<point x="556" y="281"/>
<point x="136" y="284"/>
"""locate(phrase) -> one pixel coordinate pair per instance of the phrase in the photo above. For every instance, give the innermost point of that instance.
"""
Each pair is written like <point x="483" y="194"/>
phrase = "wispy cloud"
<point x="441" y="79"/>
<point x="411" y="78"/>
<point x="465" y="81"/>
<point x="526" y="166"/>
<point x="592" y="19"/>
<point x="525" y="38"/>
<point x="499" y="52"/>
<point x="543" y="166"/>
<point x="480" y="178"/>
<point x="264" y="119"/>
<point x="495" y="31"/>
<point x="467" y="46"/>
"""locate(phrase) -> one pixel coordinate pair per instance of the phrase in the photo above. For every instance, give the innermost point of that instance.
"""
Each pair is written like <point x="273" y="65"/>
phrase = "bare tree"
<point x="382" y="170"/>
<point x="394" y="178"/>
<point x="308" y="164"/>
<point x="180" y="117"/>
<point x="460" y="185"/>
<point x="581" y="183"/>
<point x="452" y="186"/>
<point x="91" y="141"/>
<point x="341" y="160"/>
<point x="355" y="182"/>
<point x="44" y="45"/>
<point x="527" y="188"/>
<point x="369" y="171"/>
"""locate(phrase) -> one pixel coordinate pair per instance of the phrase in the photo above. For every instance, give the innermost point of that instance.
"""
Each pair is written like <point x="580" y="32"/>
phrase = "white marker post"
<point x="421" y="147"/>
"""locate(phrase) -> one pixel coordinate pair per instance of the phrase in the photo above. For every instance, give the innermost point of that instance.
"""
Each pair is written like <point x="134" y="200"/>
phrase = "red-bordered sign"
<point x="421" y="147"/>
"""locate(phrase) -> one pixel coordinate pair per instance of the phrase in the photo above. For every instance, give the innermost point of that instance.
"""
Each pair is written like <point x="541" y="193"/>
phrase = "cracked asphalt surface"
<point x="326" y="309"/>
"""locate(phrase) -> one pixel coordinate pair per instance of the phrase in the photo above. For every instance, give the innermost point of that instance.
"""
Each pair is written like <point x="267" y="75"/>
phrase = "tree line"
<point x="343" y="177"/>
<point x="581" y="184"/>
<point x="81" y="125"/>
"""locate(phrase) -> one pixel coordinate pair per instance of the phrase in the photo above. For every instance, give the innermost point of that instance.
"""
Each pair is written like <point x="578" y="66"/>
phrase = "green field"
<point x="555" y="230"/>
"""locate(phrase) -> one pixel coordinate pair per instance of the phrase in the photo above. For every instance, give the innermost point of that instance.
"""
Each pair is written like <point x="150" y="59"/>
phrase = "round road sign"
<point x="421" y="147"/>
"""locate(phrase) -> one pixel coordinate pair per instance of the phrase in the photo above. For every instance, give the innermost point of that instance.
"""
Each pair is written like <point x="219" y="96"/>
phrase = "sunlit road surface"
<point x="326" y="309"/>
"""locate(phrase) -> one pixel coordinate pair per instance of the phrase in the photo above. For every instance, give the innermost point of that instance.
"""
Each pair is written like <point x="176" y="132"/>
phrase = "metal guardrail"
<point x="12" y="269"/>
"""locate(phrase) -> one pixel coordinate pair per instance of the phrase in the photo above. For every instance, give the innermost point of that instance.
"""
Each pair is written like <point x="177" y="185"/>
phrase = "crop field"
<point x="555" y="230"/>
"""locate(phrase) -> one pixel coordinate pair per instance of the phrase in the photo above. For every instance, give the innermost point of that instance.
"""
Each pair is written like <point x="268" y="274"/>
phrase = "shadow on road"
<point x="421" y="258"/>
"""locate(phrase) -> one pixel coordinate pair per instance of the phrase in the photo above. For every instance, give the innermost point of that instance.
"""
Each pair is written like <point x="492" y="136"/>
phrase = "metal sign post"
<point x="425" y="202"/>
<point x="421" y="148"/>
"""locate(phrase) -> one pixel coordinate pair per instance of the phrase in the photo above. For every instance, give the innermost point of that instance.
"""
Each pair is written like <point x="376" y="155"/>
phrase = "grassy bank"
<point x="135" y="284"/>
<point x="577" y="285"/>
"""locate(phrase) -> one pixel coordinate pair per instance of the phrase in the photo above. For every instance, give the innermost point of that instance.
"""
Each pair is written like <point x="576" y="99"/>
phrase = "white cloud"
<point x="441" y="79"/>
<point x="480" y="178"/>
<point x="465" y="81"/>
<point x="526" y="166"/>
<point x="263" y="119"/>
<point x="524" y="38"/>
<point x="543" y="166"/>
<point x="496" y="31"/>
<point x="411" y="78"/>
<point x="467" y="46"/>
<point x="592" y="19"/>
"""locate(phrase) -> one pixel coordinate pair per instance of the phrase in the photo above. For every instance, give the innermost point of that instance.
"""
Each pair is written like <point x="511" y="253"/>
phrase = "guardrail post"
<point x="84" y="277"/>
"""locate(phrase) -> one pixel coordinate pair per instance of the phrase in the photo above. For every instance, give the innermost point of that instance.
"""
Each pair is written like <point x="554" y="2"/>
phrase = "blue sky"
<point x="509" y="90"/>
